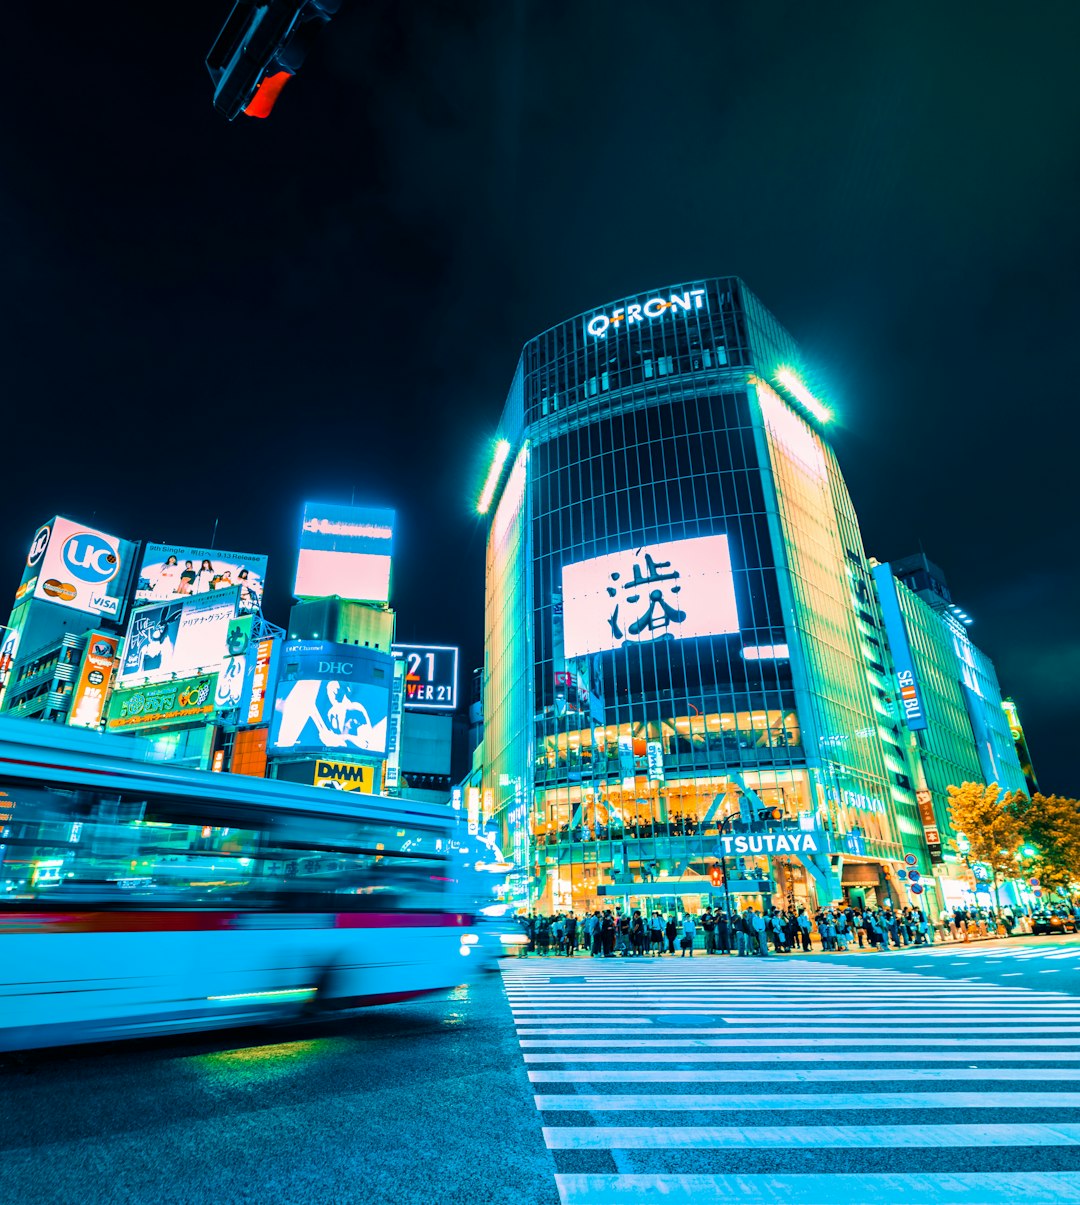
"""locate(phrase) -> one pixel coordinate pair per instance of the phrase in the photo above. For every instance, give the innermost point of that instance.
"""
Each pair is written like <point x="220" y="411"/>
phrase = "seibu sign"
<point x="770" y="843"/>
<point x="640" y="311"/>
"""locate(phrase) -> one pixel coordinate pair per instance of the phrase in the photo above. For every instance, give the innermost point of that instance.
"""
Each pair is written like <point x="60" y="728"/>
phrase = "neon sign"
<point x="655" y="307"/>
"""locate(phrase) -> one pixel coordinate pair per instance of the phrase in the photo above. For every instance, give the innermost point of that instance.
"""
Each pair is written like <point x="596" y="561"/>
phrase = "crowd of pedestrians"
<point x="748" y="932"/>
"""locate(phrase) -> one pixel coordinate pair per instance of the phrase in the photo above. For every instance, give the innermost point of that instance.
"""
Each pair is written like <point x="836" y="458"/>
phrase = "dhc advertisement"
<point x="345" y="552"/>
<point x="670" y="591"/>
<point x="331" y="697"/>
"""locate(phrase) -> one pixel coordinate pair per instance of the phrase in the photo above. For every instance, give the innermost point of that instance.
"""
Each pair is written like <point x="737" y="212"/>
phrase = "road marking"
<point x="736" y="1102"/>
<point x="756" y="1138"/>
<point x="831" y="1075"/>
<point x="808" y="1056"/>
<point x="663" y="1043"/>
<point x="935" y="1188"/>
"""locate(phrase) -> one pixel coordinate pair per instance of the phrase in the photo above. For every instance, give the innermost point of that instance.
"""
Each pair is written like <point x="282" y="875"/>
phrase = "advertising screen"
<point x="92" y="685"/>
<point x="179" y="638"/>
<point x="345" y="552"/>
<point x="167" y="703"/>
<point x="430" y="676"/>
<point x="79" y="567"/>
<point x="171" y="571"/>
<point x="331" y="697"/>
<point x="669" y="591"/>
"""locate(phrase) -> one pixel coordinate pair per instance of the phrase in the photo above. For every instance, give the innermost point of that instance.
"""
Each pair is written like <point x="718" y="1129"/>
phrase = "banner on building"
<point x="345" y="552"/>
<point x="344" y="776"/>
<point x="925" y="801"/>
<point x="171" y="571"/>
<point x="182" y="638"/>
<point x="168" y="703"/>
<point x="92" y="684"/>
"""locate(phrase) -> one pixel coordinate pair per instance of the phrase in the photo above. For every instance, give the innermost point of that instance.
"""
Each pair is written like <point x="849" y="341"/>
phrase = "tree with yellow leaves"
<point x="988" y="820"/>
<point x="1050" y="825"/>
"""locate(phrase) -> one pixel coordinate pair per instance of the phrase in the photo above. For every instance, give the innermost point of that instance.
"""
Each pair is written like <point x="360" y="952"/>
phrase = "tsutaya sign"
<point x="639" y="311"/>
<point x="770" y="843"/>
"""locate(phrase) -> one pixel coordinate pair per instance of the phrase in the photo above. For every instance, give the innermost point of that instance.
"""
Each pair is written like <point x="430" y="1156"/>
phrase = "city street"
<point x="940" y="1075"/>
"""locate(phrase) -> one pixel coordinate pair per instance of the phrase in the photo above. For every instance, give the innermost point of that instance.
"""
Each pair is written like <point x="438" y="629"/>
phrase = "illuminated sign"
<point x="167" y="703"/>
<point x="392" y="776"/>
<point x="78" y="567"/>
<point x="331" y="696"/>
<point x="895" y="632"/>
<point x="925" y="801"/>
<point x="644" y="311"/>
<point x="171" y="571"/>
<point x="344" y="776"/>
<point x="770" y="843"/>
<point x="92" y="685"/>
<point x="498" y="459"/>
<point x="472" y="812"/>
<point x="670" y="591"/>
<point x="345" y="552"/>
<point x="654" y="757"/>
<point x="431" y="672"/>
<point x="179" y="638"/>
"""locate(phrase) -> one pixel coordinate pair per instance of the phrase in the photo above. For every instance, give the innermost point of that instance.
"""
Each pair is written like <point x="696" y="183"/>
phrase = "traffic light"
<point x="260" y="48"/>
<point x="716" y="875"/>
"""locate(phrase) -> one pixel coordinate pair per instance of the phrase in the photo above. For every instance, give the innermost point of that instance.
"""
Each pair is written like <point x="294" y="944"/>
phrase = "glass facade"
<point x="681" y="621"/>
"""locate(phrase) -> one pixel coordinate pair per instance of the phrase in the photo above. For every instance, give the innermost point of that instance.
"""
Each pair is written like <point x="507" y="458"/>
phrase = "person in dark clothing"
<point x="571" y="935"/>
<point x="671" y="930"/>
<point x="607" y="934"/>
<point x="723" y="933"/>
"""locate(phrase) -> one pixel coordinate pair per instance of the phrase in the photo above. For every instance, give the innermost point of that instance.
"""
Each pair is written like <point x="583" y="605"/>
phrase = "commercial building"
<point x="685" y="655"/>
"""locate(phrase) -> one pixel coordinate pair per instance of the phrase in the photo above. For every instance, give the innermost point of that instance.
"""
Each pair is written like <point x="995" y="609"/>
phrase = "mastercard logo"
<point x="64" y="591"/>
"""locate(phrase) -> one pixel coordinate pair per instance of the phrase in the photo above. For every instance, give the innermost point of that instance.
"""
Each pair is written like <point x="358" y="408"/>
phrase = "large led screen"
<point x="79" y="567"/>
<point x="171" y="571"/>
<point x="669" y="591"/>
<point x="331" y="696"/>
<point x="345" y="552"/>
<point x="179" y="638"/>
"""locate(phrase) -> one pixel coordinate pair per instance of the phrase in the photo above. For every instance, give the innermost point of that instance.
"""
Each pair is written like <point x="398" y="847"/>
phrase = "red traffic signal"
<point x="716" y="875"/>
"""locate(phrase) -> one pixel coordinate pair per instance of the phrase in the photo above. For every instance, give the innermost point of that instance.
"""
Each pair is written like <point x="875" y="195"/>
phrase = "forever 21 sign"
<point x="431" y="672"/>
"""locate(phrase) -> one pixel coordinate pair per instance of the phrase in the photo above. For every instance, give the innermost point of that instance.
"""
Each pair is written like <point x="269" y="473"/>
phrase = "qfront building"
<point x="687" y="676"/>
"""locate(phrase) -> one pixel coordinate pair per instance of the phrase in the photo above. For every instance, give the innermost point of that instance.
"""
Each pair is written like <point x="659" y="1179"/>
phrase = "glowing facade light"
<point x="502" y="451"/>
<point x="786" y="378"/>
<point x="766" y="652"/>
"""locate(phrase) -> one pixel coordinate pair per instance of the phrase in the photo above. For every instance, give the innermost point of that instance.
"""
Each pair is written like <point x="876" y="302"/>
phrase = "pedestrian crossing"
<point x="1005" y="953"/>
<point x="770" y="1082"/>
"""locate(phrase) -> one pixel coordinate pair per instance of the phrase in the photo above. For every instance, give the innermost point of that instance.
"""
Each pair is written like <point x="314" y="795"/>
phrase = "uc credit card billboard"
<point x="77" y="566"/>
<point x="331" y="697"/>
<point x="345" y="552"/>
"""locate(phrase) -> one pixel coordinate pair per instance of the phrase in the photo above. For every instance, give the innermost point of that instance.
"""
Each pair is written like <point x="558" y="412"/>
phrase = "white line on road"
<point x="574" y="1103"/>
<point x="830" y="1075"/>
<point x="807" y="1056"/>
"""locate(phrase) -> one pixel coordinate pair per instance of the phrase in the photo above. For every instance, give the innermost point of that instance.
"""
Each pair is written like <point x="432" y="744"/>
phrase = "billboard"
<point x="180" y="638"/>
<point x="92" y="684"/>
<point x="331" y="696"/>
<point x="907" y="684"/>
<point x="167" y="703"/>
<point x="344" y="776"/>
<point x="79" y="567"/>
<point x="234" y="667"/>
<point x="345" y="552"/>
<point x="171" y="571"/>
<point x="669" y="591"/>
<point x="258" y="682"/>
<point x="431" y="672"/>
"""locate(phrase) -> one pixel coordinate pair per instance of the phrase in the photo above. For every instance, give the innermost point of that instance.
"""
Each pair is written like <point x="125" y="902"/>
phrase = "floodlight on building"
<point x="789" y="381"/>
<point x="502" y="451"/>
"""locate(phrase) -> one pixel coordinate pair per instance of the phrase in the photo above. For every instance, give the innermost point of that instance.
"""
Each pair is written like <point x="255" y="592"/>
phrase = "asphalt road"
<point x="592" y="1082"/>
<point x="419" y="1103"/>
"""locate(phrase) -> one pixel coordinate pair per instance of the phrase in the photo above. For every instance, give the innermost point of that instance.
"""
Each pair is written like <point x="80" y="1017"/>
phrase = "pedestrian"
<point x="571" y="935"/>
<point x="757" y="922"/>
<point x="708" y="924"/>
<point x="803" y="922"/>
<point x="689" y="934"/>
<point x="671" y="931"/>
<point x="723" y="932"/>
<point x="638" y="936"/>
<point x="607" y="933"/>
<point x="597" y="935"/>
<point x="656" y="933"/>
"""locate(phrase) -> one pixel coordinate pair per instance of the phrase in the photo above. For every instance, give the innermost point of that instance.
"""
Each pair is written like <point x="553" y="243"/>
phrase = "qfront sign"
<point x="645" y="311"/>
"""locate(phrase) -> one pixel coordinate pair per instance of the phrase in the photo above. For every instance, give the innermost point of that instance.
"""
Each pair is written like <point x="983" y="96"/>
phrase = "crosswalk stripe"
<point x="809" y="1056"/>
<point x="853" y="1027"/>
<point x="738" y="1102"/>
<point x="892" y="1137"/>
<point x="658" y="1043"/>
<point x="828" y="1075"/>
<point x="956" y="1188"/>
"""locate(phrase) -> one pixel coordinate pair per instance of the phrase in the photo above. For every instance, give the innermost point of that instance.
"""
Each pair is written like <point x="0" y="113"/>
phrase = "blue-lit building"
<point x="682" y="631"/>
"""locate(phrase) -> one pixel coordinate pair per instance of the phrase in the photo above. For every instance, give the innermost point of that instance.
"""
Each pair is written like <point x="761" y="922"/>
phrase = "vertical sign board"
<point x="262" y="669"/>
<point x="911" y="704"/>
<point x="92" y="684"/>
<point x="473" y="810"/>
<point x="392" y="780"/>
<point x="654" y="755"/>
<point x="925" y="800"/>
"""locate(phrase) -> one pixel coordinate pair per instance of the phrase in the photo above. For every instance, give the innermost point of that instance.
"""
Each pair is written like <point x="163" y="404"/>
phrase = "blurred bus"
<point x="136" y="899"/>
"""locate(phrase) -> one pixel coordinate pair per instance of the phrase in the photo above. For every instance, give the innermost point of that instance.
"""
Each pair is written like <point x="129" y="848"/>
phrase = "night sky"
<point x="205" y="320"/>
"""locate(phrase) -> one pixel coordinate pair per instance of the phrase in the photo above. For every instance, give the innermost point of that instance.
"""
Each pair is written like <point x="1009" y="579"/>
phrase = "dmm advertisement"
<point x="344" y="776"/>
<point x="171" y="571"/>
<point x="331" y="696"/>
